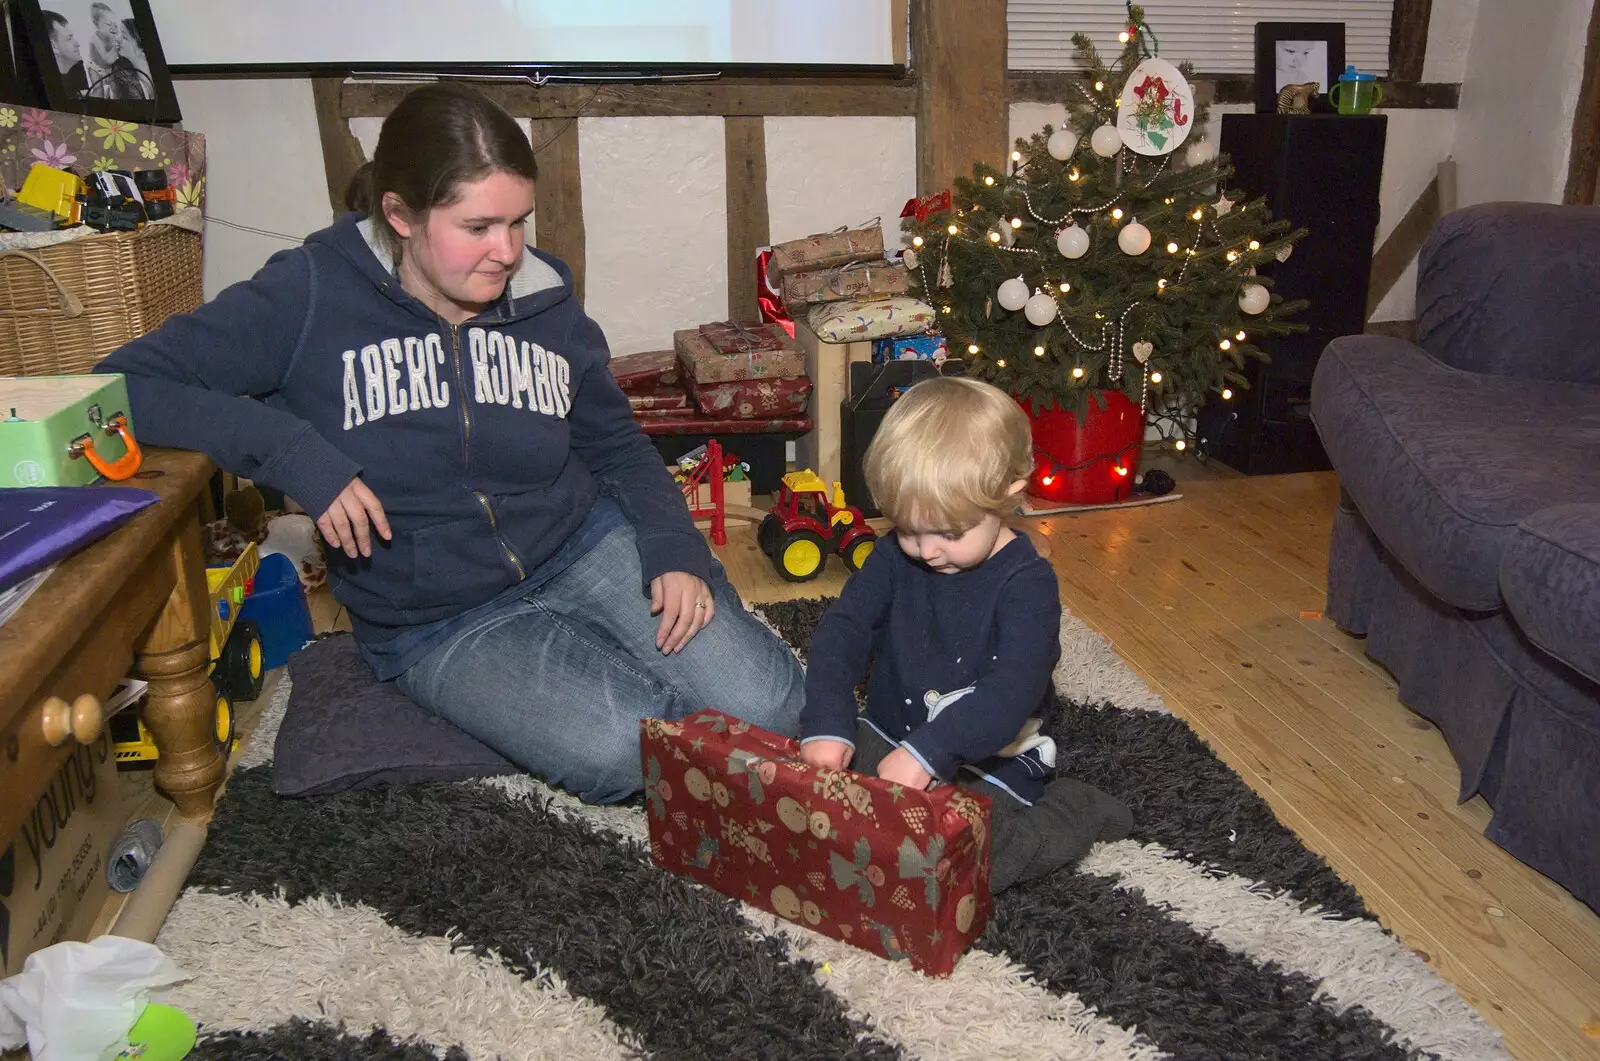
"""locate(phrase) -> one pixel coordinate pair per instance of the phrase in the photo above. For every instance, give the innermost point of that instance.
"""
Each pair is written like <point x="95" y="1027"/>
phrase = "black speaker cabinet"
<point x="873" y="389"/>
<point x="1320" y="172"/>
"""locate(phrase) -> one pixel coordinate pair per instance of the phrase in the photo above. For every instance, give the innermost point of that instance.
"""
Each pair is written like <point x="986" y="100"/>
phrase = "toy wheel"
<point x="856" y="553"/>
<point x="242" y="667"/>
<point x="223" y="723"/>
<point x="799" y="556"/>
<point x="768" y="533"/>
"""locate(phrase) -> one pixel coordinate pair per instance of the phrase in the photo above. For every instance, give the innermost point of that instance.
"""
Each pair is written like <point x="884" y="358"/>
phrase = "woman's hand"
<point x="685" y="606"/>
<point x="902" y="768"/>
<point x="826" y="754"/>
<point x="349" y="521"/>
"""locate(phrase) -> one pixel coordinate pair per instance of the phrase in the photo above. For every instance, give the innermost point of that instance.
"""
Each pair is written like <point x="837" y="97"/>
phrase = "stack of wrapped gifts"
<point x="841" y="284"/>
<point x="726" y="377"/>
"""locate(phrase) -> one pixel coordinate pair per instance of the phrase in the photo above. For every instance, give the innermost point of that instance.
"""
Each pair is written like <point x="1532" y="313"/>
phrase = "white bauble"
<point x="1013" y="294"/>
<point x="1061" y="145"/>
<point x="909" y="257"/>
<point x="1200" y="152"/>
<point x="1134" y="238"/>
<point x="1253" y="298"/>
<point x="1106" y="141"/>
<point x="1072" y="241"/>
<point x="1041" y="309"/>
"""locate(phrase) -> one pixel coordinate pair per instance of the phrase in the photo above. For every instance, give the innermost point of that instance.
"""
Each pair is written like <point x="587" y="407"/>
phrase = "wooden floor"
<point x="1215" y="600"/>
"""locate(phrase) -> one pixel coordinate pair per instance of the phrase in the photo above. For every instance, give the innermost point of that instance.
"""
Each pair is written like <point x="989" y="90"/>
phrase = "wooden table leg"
<point x="181" y="705"/>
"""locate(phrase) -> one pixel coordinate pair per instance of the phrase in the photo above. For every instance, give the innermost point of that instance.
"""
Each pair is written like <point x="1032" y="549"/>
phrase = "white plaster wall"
<point x="1514" y="127"/>
<point x="827" y="172"/>
<point x="656" y="229"/>
<point x="1450" y="39"/>
<point x="263" y="169"/>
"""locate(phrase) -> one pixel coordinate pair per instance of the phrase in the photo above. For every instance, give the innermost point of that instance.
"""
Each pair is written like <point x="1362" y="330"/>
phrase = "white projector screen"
<point x="376" y="35"/>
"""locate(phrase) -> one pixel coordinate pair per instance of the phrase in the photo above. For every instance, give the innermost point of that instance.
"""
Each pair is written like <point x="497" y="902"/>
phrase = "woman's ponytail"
<point x="358" y="193"/>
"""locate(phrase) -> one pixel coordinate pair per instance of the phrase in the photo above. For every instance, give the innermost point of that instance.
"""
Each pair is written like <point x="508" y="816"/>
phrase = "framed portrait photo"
<point x="1297" y="53"/>
<point x="95" y="57"/>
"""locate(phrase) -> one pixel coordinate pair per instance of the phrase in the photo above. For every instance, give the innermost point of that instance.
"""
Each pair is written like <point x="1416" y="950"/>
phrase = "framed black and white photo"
<point x="1297" y="53"/>
<point x="95" y="57"/>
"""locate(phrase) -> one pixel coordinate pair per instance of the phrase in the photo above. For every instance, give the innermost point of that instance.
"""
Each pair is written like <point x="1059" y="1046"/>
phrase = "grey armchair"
<point x="1466" y="546"/>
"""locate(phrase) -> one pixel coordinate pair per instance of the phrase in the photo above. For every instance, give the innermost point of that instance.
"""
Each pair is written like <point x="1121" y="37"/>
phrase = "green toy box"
<point x="65" y="430"/>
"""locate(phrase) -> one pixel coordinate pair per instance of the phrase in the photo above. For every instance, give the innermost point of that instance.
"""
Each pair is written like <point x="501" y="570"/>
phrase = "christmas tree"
<point x="1101" y="261"/>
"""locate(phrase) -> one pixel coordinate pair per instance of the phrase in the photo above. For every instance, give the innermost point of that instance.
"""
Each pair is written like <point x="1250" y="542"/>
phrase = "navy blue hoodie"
<point x="986" y="640"/>
<point x="486" y="442"/>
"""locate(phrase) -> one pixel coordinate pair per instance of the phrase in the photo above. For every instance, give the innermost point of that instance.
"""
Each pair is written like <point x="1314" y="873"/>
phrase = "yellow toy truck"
<point x="237" y="669"/>
<point x="806" y="524"/>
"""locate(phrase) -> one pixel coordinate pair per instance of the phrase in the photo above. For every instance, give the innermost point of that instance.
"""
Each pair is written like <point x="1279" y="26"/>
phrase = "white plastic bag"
<point x="74" y="1000"/>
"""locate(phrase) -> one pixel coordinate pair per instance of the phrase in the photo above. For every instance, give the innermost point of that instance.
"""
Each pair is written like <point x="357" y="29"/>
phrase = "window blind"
<point x="1217" y="36"/>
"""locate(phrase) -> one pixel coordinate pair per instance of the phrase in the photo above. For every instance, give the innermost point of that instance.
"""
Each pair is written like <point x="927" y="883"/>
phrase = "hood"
<point x="540" y="282"/>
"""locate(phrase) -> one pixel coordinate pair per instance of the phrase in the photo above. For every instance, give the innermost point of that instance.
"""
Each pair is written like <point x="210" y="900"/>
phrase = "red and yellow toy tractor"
<point x="805" y="525"/>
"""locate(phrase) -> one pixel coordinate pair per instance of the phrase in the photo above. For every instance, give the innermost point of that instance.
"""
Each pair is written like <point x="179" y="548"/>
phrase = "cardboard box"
<point x="826" y="249"/>
<point x="53" y="871"/>
<point x="733" y="493"/>
<point x="704" y="363"/>
<point x="858" y="280"/>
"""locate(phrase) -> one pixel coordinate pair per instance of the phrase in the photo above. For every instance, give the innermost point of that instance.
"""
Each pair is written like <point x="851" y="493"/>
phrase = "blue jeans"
<point x="557" y="680"/>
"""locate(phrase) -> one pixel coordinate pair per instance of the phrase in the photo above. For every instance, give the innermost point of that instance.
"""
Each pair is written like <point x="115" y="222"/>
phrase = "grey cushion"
<point x="1509" y="289"/>
<point x="1550" y="576"/>
<point x="344" y="729"/>
<point x="1443" y="463"/>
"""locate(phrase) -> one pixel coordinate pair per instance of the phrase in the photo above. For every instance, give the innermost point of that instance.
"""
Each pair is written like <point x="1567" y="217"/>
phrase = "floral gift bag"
<point x="85" y="144"/>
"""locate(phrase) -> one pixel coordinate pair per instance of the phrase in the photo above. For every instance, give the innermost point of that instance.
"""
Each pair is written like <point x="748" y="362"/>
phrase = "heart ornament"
<point x="1142" y="351"/>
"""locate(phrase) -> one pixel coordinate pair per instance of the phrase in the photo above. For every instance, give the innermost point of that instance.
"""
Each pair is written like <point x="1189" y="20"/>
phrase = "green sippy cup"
<point x="1356" y="93"/>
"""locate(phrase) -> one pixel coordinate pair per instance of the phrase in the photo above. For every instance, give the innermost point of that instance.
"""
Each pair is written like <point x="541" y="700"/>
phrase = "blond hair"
<point x="947" y="454"/>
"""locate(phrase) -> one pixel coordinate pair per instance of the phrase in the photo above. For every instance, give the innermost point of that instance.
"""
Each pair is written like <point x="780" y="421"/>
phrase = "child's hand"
<point x="902" y="768"/>
<point x="827" y="754"/>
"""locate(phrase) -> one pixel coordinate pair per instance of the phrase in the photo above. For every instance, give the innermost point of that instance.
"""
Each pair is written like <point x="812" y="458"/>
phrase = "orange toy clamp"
<point x="121" y="468"/>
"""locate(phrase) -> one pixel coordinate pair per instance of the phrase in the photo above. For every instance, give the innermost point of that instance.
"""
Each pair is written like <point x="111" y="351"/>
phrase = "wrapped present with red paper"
<point x="666" y="399"/>
<point x="826" y="249"/>
<point x="646" y="373"/>
<point x="895" y="871"/>
<point x="858" y="280"/>
<point x="728" y="351"/>
<point x="748" y="399"/>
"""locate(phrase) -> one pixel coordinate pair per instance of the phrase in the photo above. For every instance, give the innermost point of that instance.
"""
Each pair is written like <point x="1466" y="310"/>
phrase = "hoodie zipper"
<point x="466" y="452"/>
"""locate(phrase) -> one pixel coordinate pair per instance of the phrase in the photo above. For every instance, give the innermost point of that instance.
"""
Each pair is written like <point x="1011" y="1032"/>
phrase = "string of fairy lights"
<point x="1043" y="297"/>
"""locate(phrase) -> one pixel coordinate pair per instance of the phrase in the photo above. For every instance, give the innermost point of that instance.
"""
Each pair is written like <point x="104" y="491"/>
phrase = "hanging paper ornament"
<point x="1253" y="298"/>
<point x="946" y="278"/>
<point x="1142" y="350"/>
<point x="1013" y="293"/>
<point x="1062" y="143"/>
<point x="1222" y="205"/>
<point x="1284" y="252"/>
<point x="1134" y="238"/>
<point x="1200" y="152"/>
<point x="1072" y="241"/>
<point x="1106" y="141"/>
<point x="909" y="257"/>
<point x="1156" y="113"/>
<point x="1041" y="309"/>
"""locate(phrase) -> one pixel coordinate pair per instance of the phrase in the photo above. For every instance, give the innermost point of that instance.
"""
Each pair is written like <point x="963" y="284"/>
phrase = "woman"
<point x="515" y="554"/>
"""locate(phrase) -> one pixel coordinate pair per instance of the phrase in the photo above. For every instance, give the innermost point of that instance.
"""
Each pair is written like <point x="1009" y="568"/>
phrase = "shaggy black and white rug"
<point x="502" y="919"/>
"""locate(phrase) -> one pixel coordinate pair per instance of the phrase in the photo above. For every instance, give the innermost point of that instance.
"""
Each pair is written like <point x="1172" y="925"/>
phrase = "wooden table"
<point x="139" y="592"/>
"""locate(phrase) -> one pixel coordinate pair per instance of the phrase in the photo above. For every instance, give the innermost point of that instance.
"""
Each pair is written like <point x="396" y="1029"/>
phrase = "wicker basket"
<point x="66" y="306"/>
